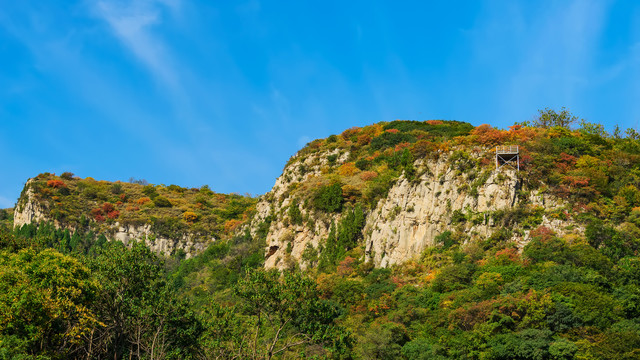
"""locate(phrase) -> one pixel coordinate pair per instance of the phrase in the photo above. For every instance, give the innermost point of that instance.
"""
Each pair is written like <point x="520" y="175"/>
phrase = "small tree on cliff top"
<point x="549" y="118"/>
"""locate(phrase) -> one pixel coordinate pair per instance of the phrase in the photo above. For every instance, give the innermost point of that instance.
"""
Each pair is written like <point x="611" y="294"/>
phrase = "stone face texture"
<point x="407" y="221"/>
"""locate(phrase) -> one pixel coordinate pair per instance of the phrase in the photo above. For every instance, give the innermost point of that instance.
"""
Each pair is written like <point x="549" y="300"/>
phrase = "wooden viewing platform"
<point x="508" y="155"/>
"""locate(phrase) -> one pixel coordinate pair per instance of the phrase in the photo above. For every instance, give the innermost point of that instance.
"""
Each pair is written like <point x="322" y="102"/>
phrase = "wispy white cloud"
<point x="132" y="23"/>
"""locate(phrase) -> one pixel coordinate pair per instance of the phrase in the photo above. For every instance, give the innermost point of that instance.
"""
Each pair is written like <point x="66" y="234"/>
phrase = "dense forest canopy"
<point x="73" y="294"/>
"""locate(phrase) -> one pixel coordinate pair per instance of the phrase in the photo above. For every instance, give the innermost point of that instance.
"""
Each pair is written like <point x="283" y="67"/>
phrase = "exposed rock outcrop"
<point x="29" y="210"/>
<point x="412" y="215"/>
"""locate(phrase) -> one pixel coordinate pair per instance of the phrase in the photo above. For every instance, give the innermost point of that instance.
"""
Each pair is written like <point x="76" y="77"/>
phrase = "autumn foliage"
<point x="56" y="184"/>
<point x="190" y="216"/>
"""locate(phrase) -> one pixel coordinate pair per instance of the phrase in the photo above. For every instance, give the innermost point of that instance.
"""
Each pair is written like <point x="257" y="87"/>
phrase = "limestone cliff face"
<point x="287" y="242"/>
<point x="407" y="221"/>
<point x="29" y="210"/>
<point x="159" y="244"/>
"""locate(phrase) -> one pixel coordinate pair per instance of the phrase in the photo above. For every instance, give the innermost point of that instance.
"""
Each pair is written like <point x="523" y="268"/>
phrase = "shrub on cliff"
<point x="329" y="198"/>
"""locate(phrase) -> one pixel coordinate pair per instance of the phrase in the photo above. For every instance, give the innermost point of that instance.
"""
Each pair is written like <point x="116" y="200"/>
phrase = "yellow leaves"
<point x="190" y="216"/>
<point x="535" y="305"/>
<point x="46" y="291"/>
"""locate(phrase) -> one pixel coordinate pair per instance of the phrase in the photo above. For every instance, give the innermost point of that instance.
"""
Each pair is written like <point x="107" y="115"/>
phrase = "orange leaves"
<point x="232" y="225"/>
<point x="347" y="134"/>
<point x="380" y="305"/>
<point x="543" y="233"/>
<point x="113" y="214"/>
<point x="392" y="131"/>
<point x="486" y="135"/>
<point x="576" y="181"/>
<point x="97" y="214"/>
<point x="143" y="201"/>
<point x="402" y="146"/>
<point x="566" y="162"/>
<point x="350" y="193"/>
<point x="56" y="184"/>
<point x="346" y="266"/>
<point x="347" y="169"/>
<point x="364" y="139"/>
<point x="434" y="122"/>
<point x="221" y="198"/>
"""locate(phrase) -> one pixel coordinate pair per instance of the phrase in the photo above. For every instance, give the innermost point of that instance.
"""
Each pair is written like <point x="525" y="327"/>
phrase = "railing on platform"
<point x="507" y="149"/>
<point x="508" y="155"/>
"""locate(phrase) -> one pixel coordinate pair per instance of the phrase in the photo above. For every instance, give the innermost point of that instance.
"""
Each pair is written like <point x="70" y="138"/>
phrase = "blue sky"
<point x="224" y="92"/>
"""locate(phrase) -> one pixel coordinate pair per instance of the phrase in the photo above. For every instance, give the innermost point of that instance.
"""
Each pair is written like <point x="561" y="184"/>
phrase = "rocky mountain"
<point x="429" y="192"/>
<point x="169" y="219"/>
<point x="398" y="240"/>
<point x="384" y="193"/>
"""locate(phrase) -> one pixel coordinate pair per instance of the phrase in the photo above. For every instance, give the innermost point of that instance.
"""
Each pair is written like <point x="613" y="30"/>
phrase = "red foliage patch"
<point x="393" y="131"/>
<point x="113" y="214"/>
<point x="576" y="181"/>
<point x="486" y="161"/>
<point x="108" y="207"/>
<point x="543" y="233"/>
<point x="565" y="162"/>
<point x="509" y="254"/>
<point x="465" y="318"/>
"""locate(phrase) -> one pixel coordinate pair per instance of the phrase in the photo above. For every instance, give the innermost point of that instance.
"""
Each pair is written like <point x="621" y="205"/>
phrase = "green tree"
<point x="45" y="300"/>
<point x="287" y="312"/>
<point x="141" y="313"/>
<point x="549" y="118"/>
<point x="329" y="198"/>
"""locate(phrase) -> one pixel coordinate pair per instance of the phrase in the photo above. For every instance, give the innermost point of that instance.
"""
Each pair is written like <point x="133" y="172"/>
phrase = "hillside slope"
<point x="390" y="190"/>
<point x="169" y="219"/>
<point x="403" y="241"/>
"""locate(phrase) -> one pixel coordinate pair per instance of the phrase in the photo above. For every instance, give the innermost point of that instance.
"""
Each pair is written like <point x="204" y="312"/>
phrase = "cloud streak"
<point x="132" y="23"/>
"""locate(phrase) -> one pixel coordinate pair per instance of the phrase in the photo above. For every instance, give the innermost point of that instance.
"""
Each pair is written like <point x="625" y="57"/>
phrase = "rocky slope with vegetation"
<point x="171" y="220"/>
<point x="398" y="240"/>
<point x="394" y="189"/>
